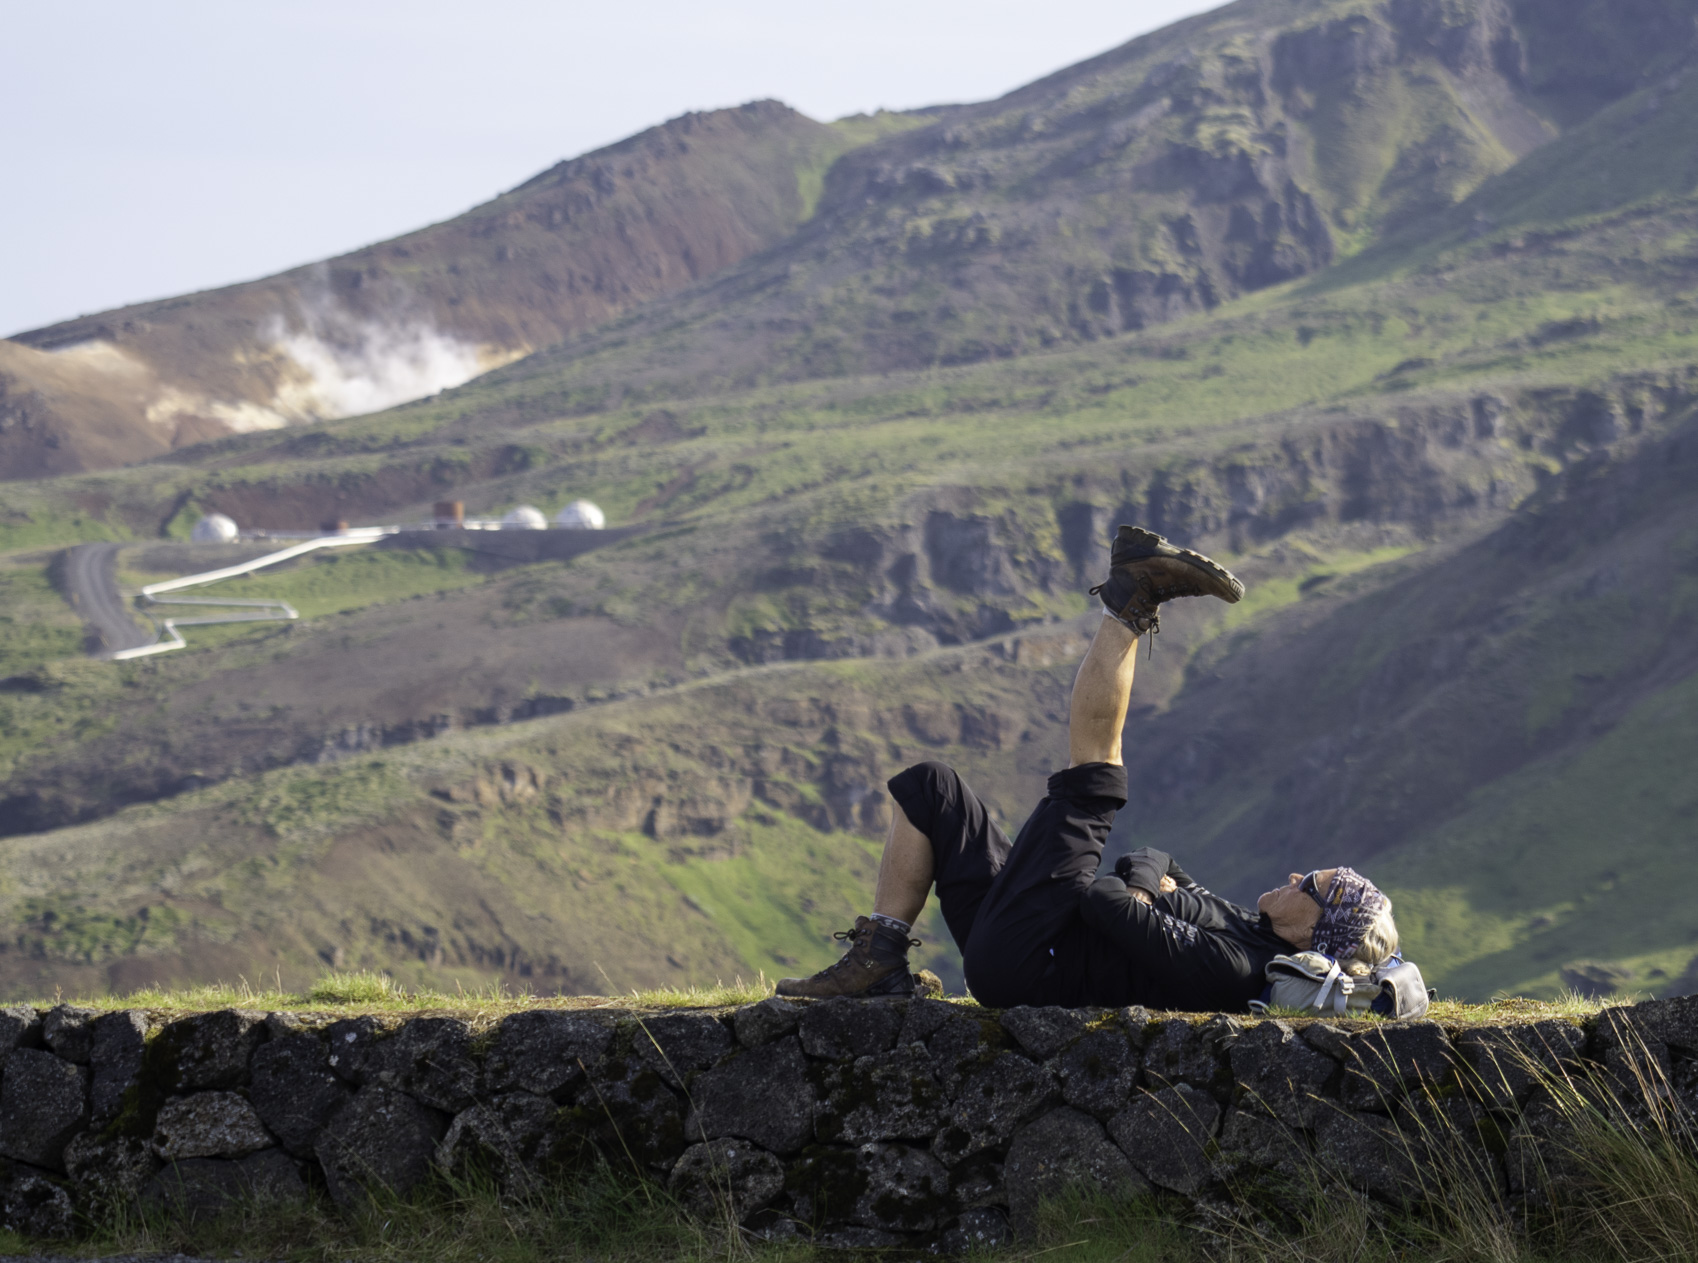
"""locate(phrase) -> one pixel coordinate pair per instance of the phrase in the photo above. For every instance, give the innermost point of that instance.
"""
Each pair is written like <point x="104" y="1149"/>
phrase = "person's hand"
<point x="1145" y="873"/>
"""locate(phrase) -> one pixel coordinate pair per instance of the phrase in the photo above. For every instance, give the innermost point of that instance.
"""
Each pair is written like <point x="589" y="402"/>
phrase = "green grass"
<point x="357" y="992"/>
<point x="366" y="992"/>
<point x="36" y="625"/>
<point x="1558" y="862"/>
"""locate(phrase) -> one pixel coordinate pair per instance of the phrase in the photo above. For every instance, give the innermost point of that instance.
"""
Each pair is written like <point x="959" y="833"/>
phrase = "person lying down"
<point x="1034" y="921"/>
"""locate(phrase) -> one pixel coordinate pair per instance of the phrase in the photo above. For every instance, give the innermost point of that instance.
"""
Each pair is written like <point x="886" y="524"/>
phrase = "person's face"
<point x="1292" y="911"/>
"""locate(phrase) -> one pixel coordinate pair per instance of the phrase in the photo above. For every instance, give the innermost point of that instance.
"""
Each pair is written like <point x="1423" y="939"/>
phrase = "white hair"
<point x="1379" y="941"/>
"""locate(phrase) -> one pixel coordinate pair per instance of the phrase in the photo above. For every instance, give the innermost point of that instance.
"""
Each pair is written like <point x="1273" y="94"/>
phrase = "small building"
<point x="581" y="515"/>
<point x="524" y="518"/>
<point x="214" y="528"/>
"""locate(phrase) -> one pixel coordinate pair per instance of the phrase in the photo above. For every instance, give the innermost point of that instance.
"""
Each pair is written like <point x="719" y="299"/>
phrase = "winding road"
<point x="91" y="579"/>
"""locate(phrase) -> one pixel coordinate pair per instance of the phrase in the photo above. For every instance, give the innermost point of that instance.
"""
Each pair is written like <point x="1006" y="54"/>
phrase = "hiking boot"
<point x="1145" y="570"/>
<point x="875" y="964"/>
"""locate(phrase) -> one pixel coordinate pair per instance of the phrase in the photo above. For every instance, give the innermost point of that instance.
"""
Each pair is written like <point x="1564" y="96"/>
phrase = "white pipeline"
<point x="360" y="535"/>
<point x="280" y="611"/>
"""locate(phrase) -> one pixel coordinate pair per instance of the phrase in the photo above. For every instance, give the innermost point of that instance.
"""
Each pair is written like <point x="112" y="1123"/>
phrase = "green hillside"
<point x="1451" y="453"/>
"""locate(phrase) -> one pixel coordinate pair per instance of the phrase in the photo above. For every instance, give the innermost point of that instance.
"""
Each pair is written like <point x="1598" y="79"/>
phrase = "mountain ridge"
<point x="1444" y="466"/>
<point x="571" y="246"/>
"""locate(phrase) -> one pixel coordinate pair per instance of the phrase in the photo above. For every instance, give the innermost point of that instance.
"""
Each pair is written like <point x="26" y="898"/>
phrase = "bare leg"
<point x="877" y="960"/>
<point x="1101" y="693"/>
<point x="904" y="871"/>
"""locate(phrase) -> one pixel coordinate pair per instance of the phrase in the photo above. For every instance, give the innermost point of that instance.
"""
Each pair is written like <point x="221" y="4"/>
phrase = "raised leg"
<point x="1101" y="693"/>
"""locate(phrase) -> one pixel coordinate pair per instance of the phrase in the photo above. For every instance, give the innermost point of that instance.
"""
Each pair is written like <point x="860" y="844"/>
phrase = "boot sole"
<point x="899" y="983"/>
<point x="1172" y="552"/>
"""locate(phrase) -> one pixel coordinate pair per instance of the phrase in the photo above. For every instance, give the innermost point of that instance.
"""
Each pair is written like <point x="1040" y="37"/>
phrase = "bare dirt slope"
<point x="583" y="241"/>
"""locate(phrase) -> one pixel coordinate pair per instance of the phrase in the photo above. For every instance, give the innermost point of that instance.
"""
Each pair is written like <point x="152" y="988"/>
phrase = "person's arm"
<point x="1150" y="873"/>
<point x="1163" y="942"/>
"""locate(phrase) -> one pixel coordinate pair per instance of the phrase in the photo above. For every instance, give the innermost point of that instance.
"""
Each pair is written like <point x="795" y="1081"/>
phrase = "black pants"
<point x="1013" y="909"/>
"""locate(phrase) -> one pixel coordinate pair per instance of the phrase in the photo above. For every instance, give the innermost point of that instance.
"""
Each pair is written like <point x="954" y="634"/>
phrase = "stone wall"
<point x="865" y="1123"/>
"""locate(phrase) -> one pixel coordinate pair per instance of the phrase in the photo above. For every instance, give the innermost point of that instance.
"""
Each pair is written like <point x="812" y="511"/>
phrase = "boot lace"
<point x="854" y="936"/>
<point x="1155" y="619"/>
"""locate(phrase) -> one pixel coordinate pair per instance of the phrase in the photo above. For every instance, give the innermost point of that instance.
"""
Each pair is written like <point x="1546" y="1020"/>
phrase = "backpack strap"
<point x="1307" y="980"/>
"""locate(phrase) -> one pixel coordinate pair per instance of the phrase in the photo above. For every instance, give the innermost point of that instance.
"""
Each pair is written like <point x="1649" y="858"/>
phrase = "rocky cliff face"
<point x="882" y="1123"/>
<point x="1223" y="155"/>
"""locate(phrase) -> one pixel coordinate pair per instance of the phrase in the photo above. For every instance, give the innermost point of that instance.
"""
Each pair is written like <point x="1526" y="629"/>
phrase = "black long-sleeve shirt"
<point x="1189" y="950"/>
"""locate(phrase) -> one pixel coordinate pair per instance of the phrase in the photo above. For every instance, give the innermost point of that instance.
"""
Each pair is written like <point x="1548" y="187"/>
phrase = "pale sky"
<point x="161" y="147"/>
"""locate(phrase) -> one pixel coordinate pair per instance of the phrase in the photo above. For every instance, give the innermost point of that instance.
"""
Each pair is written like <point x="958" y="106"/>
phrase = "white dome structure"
<point x="581" y="515"/>
<point x="214" y="528"/>
<point x="524" y="518"/>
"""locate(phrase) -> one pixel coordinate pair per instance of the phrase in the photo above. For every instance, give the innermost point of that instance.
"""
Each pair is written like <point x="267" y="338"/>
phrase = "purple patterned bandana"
<point x="1349" y="908"/>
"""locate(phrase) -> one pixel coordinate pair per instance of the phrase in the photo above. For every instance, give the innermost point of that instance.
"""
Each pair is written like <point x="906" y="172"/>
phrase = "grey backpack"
<point x="1315" y="983"/>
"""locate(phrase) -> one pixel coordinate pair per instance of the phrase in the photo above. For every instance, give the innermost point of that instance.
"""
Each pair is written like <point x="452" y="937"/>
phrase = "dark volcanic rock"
<point x="1064" y="1149"/>
<point x="356" y="1044"/>
<point x="1278" y="1073"/>
<point x="941" y="1136"/>
<point x="844" y="1028"/>
<point x="676" y="1045"/>
<point x="1370" y="1153"/>
<point x="886" y="1188"/>
<point x="20" y="1027"/>
<point x="1134" y="1019"/>
<point x="1254" y="1148"/>
<point x="382" y="1138"/>
<point x="69" y="1032"/>
<point x="977" y="1181"/>
<point x="515" y="1136"/>
<point x="210" y="1051"/>
<point x="115" y="1056"/>
<point x="1098" y="1072"/>
<point x="1382" y="1063"/>
<point x="1505" y="1064"/>
<point x="208" y="1125"/>
<point x="719" y="1174"/>
<point x="627" y="1109"/>
<point x="544" y="1051"/>
<point x="110" y="1172"/>
<point x="1043" y="1032"/>
<point x="1166" y="1134"/>
<point x="951" y="1037"/>
<point x="975" y="1230"/>
<point x="1542" y="1159"/>
<point x="762" y="1094"/>
<point x="208" y="1186"/>
<point x="1179" y="1051"/>
<point x="888" y="1096"/>
<point x="994" y="1100"/>
<point x="1673" y="1022"/>
<point x="906" y="1189"/>
<point x="35" y="1204"/>
<point x="762" y="1023"/>
<point x="294" y="1091"/>
<point x="430" y="1059"/>
<point x="43" y="1103"/>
